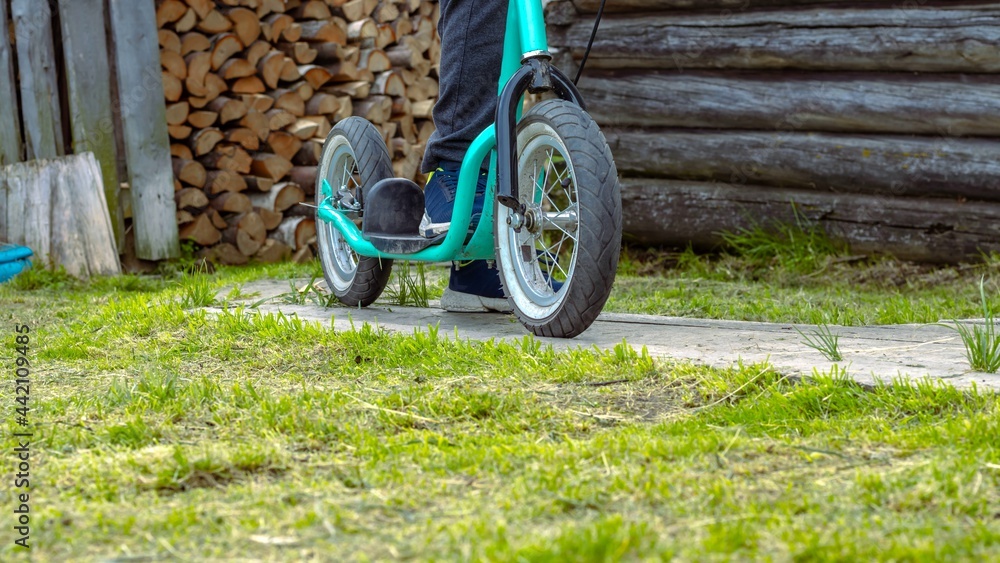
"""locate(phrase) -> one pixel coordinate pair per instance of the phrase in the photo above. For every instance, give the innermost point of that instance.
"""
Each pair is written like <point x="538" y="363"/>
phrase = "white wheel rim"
<point x="546" y="183"/>
<point x="339" y="168"/>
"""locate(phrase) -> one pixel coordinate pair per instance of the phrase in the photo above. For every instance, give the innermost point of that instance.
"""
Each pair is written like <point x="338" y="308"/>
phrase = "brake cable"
<point x="593" y="34"/>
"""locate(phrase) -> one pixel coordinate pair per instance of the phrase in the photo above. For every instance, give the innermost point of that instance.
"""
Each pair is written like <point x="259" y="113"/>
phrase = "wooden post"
<point x="144" y="123"/>
<point x="58" y="211"/>
<point x="29" y="194"/>
<point x="82" y="239"/>
<point x="4" y="208"/>
<point x="39" y="87"/>
<point x="10" y="122"/>
<point x="88" y="78"/>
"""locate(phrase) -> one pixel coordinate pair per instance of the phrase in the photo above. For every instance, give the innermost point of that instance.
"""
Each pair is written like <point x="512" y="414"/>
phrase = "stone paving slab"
<point x="870" y="353"/>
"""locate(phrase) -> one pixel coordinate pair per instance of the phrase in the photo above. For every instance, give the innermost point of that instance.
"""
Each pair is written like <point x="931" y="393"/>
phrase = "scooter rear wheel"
<point x="354" y="158"/>
<point x="557" y="262"/>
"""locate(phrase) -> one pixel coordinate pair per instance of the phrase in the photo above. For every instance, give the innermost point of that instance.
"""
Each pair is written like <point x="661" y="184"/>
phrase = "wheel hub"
<point x="533" y="220"/>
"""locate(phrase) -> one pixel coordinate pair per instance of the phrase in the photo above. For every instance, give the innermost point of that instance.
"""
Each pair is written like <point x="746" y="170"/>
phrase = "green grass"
<point x="798" y="247"/>
<point x="312" y="292"/>
<point x="408" y="285"/>
<point x="982" y="346"/>
<point x="784" y="273"/>
<point x="824" y="341"/>
<point x="163" y="432"/>
<point x="838" y="289"/>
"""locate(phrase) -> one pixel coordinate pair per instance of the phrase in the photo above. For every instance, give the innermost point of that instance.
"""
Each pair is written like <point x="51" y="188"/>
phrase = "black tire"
<point x="584" y="178"/>
<point x="354" y="142"/>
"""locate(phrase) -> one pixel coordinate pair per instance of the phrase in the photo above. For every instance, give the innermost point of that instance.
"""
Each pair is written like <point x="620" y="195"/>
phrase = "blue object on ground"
<point x="14" y="259"/>
<point x="10" y="269"/>
<point x="12" y="252"/>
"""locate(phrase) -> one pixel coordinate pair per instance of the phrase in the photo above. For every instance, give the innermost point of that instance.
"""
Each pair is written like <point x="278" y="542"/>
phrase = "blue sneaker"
<point x="473" y="286"/>
<point x="439" y="194"/>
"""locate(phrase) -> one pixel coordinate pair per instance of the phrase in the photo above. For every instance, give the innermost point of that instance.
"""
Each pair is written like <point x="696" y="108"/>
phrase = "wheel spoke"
<point x="554" y="256"/>
<point x="549" y="165"/>
<point x="555" y="219"/>
<point x="538" y="181"/>
<point x="347" y="258"/>
<point x="554" y="178"/>
<point x="546" y="252"/>
<point x="553" y="238"/>
<point x="353" y="157"/>
<point x="560" y="176"/>
<point x="545" y="195"/>
<point x="537" y="275"/>
<point x="532" y="267"/>
<point x="558" y="253"/>
<point x="562" y="181"/>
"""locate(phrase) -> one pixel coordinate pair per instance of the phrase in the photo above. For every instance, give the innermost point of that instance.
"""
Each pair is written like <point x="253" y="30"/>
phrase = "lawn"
<point x="162" y="432"/>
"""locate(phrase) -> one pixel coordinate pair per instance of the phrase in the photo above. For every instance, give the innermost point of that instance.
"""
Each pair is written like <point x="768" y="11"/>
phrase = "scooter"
<point x="554" y="226"/>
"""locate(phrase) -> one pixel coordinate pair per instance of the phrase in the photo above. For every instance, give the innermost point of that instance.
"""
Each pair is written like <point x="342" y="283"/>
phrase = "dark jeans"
<point x="472" y="34"/>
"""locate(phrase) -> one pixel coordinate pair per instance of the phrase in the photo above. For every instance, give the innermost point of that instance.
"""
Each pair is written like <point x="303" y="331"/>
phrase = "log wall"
<point x="876" y="119"/>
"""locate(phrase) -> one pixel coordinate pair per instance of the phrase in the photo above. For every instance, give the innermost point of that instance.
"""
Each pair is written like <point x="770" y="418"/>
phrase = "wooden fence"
<point x="82" y="76"/>
<point x="879" y="120"/>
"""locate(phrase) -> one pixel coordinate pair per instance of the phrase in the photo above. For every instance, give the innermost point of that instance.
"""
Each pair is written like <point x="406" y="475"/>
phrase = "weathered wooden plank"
<point x="88" y="80"/>
<point x="882" y="165"/>
<point x="40" y="109"/>
<point x="944" y="105"/>
<point x="82" y="238"/>
<point x="926" y="39"/>
<point x="10" y="121"/>
<point x="29" y="194"/>
<point x="109" y="43"/>
<point x="613" y="6"/>
<point x="4" y="208"/>
<point x="144" y="124"/>
<point x="677" y="213"/>
<point x="57" y="209"/>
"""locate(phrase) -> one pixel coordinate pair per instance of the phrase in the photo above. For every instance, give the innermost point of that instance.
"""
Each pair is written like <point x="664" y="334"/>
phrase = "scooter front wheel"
<point x="354" y="158"/>
<point x="557" y="261"/>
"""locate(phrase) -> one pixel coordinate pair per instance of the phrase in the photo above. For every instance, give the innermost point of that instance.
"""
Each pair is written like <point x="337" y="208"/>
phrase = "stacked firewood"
<point x="253" y="87"/>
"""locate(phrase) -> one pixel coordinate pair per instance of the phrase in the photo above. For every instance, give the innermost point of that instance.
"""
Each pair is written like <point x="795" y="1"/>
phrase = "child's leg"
<point x="472" y="33"/>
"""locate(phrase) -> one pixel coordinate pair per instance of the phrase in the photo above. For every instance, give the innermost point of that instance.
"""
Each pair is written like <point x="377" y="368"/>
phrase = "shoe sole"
<point x="455" y="302"/>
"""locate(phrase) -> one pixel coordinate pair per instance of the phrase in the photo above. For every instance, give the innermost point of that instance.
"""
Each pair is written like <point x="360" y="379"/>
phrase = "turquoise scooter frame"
<point x="524" y="41"/>
<point x="526" y="67"/>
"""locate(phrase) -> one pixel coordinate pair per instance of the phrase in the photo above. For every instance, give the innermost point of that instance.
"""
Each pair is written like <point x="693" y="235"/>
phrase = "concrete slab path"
<point x="875" y="353"/>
